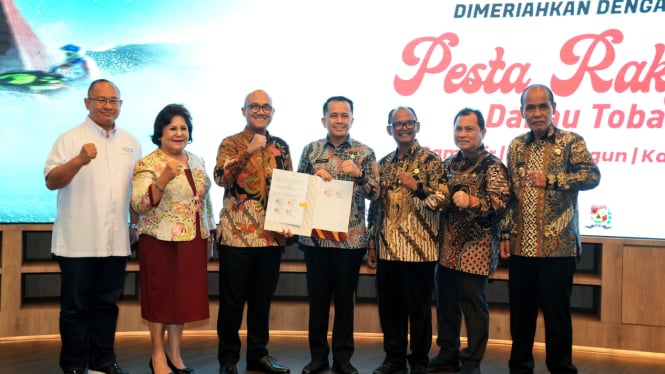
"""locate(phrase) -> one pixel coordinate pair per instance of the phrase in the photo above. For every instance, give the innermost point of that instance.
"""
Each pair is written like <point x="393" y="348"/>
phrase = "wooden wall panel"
<point x="611" y="269"/>
<point x="643" y="286"/>
<point x="631" y="281"/>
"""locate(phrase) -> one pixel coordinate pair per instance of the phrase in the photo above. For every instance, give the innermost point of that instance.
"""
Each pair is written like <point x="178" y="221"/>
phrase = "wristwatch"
<point x="134" y="226"/>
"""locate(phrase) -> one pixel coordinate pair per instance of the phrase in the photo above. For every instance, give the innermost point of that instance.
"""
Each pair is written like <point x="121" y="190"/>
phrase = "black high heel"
<point x="184" y="370"/>
<point x="152" y="369"/>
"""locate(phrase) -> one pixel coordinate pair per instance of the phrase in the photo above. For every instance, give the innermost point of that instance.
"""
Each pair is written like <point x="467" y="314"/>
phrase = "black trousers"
<point x="404" y="291"/>
<point x="332" y="274"/>
<point x="546" y="283"/>
<point x="460" y="293"/>
<point x="246" y="275"/>
<point x="89" y="293"/>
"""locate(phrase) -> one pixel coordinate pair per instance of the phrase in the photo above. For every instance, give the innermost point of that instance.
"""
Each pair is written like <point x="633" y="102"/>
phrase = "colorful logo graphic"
<point x="600" y="216"/>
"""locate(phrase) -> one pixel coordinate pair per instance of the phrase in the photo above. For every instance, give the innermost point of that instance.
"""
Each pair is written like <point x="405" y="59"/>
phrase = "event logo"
<point x="600" y="216"/>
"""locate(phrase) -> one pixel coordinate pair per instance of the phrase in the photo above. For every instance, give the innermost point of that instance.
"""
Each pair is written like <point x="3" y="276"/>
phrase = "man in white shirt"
<point x="91" y="167"/>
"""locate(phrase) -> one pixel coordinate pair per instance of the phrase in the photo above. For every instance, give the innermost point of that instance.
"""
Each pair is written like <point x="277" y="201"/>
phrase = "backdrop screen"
<point x="606" y="71"/>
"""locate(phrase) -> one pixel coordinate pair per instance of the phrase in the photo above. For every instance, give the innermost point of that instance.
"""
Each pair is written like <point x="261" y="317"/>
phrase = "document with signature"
<point x="302" y="202"/>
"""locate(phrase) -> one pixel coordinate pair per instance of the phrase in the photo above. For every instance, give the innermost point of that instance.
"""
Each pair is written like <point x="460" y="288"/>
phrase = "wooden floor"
<point x="40" y="356"/>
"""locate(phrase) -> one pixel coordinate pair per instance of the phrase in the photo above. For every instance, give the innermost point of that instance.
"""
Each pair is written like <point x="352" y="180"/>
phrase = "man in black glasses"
<point x="249" y="256"/>
<point x="405" y="232"/>
<point x="91" y="166"/>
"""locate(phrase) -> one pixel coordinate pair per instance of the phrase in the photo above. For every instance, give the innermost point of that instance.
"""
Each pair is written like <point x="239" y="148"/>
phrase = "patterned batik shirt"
<point x="406" y="225"/>
<point x="246" y="180"/>
<point x="322" y="154"/>
<point x="174" y="216"/>
<point x="471" y="235"/>
<point x="544" y="222"/>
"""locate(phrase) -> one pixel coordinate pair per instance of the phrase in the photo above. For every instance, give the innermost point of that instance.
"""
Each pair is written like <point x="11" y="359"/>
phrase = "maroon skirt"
<point x="173" y="280"/>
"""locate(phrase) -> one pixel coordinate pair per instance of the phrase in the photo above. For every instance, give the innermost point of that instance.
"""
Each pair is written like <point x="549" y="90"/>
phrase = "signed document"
<point x="302" y="202"/>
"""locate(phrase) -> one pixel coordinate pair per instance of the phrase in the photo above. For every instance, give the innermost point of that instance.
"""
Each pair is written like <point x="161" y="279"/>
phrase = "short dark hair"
<point x="101" y="80"/>
<point x="165" y="116"/>
<point x="336" y="98"/>
<point x="392" y="113"/>
<point x="466" y="112"/>
<point x="550" y="95"/>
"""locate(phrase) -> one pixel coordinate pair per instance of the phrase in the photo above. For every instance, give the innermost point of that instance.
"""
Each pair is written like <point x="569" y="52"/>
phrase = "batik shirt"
<point x="324" y="155"/>
<point x="471" y="235"/>
<point x="544" y="222"/>
<point x="174" y="217"/>
<point x="405" y="225"/>
<point x="246" y="180"/>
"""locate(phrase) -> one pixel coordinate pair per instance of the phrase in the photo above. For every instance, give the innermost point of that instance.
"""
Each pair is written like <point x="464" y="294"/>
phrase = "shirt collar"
<point x="347" y="142"/>
<point x="473" y="156"/>
<point x="549" y="135"/>
<point x="411" y="152"/>
<point x="95" y="127"/>
<point x="248" y="134"/>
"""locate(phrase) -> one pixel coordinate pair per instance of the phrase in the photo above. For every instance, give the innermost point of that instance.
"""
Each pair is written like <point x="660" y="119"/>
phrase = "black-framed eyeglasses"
<point x="101" y="101"/>
<point x="254" y="107"/>
<point x="404" y="124"/>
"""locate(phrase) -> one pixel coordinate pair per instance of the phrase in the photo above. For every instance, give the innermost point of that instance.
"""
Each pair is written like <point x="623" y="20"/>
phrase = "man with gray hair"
<point x="547" y="167"/>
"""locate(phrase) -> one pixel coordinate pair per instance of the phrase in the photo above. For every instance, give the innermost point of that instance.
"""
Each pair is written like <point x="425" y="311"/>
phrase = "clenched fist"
<point x="172" y="169"/>
<point x="88" y="152"/>
<point x="258" y="142"/>
<point x="351" y="169"/>
<point x="406" y="180"/>
<point x="461" y="199"/>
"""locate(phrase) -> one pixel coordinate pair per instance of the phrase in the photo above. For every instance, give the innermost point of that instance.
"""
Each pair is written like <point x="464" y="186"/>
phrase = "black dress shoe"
<point x="344" y="367"/>
<point x="470" y="368"/>
<point x="176" y="370"/>
<point x="390" y="368"/>
<point x="111" y="368"/>
<point x="419" y="369"/>
<point x="267" y="364"/>
<point x="228" y="369"/>
<point x="315" y="367"/>
<point x="440" y="364"/>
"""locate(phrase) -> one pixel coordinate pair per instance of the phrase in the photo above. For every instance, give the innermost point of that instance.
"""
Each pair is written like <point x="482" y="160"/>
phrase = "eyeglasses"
<point x="404" y="125"/>
<point x="256" y="107"/>
<point x="101" y="101"/>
